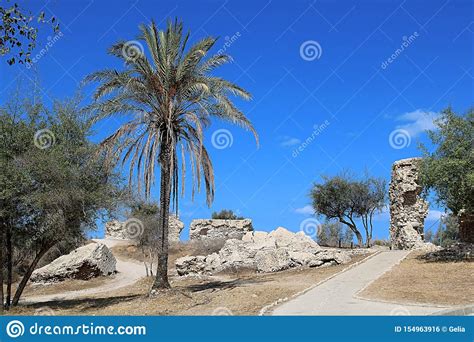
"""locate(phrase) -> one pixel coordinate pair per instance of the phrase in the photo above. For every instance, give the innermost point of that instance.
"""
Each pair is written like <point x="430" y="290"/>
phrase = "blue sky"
<point x="346" y="85"/>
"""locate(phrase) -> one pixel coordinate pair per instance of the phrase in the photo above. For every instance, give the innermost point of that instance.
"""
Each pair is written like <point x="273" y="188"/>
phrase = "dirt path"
<point x="128" y="272"/>
<point x="338" y="296"/>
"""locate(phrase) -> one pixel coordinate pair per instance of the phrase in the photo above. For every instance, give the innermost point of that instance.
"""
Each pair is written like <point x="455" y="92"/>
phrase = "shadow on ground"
<point x="85" y="303"/>
<point x="224" y="285"/>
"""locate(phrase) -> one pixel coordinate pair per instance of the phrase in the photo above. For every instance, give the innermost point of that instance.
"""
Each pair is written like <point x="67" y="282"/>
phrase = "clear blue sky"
<point x="357" y="85"/>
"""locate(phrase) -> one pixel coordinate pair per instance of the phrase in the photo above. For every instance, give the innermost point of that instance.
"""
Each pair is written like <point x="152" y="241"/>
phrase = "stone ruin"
<point x="120" y="230"/>
<point x="217" y="229"/>
<point x="407" y="209"/>
<point x="264" y="252"/>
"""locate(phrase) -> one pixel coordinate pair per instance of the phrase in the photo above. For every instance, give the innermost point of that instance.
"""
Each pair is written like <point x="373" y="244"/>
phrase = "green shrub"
<point x="225" y="214"/>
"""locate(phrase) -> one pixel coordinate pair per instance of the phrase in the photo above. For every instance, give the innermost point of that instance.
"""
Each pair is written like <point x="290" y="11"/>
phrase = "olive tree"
<point x="54" y="184"/>
<point x="448" y="168"/>
<point x="334" y="233"/>
<point x="336" y="198"/>
<point x="146" y="216"/>
<point x="371" y="197"/>
<point x="347" y="200"/>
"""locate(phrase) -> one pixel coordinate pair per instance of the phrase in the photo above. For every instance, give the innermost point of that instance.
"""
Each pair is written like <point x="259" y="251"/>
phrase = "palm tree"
<point x="172" y="96"/>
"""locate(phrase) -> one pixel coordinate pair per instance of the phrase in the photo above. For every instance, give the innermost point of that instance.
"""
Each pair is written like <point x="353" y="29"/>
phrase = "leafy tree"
<point x="148" y="216"/>
<point x="449" y="169"/>
<point x="448" y="231"/>
<point x="346" y="199"/>
<point x="371" y="198"/>
<point x="53" y="184"/>
<point x="336" y="198"/>
<point x="225" y="214"/>
<point x="330" y="233"/>
<point x="173" y="96"/>
<point x="428" y="236"/>
<point x="17" y="29"/>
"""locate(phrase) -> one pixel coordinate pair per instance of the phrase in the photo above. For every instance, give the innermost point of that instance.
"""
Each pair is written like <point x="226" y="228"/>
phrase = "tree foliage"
<point x="53" y="184"/>
<point x="449" y="169"/>
<point x="226" y="214"/>
<point x="345" y="199"/>
<point x="148" y="215"/>
<point x="448" y="231"/>
<point x="371" y="195"/>
<point x="336" y="198"/>
<point x="19" y="31"/>
<point x="331" y="233"/>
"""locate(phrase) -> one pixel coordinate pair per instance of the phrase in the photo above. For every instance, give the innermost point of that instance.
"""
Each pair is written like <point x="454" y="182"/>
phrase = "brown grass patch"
<point x="416" y="280"/>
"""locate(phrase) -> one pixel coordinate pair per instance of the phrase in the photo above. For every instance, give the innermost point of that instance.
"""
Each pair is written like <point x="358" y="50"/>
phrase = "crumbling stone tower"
<point x="407" y="209"/>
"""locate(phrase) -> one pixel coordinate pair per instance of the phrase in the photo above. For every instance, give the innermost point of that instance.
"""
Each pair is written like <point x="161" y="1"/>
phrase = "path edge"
<point x="265" y="310"/>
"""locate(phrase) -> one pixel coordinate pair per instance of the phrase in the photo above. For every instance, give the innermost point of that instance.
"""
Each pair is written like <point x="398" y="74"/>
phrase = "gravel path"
<point x="128" y="272"/>
<point x="337" y="296"/>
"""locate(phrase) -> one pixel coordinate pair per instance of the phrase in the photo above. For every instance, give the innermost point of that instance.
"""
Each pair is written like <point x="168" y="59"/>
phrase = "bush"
<point x="381" y="242"/>
<point x="225" y="214"/>
<point x="448" y="231"/>
<point x="329" y="234"/>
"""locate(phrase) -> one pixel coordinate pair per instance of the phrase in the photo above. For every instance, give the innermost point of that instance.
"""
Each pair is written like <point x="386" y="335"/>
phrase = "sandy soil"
<point x="416" y="280"/>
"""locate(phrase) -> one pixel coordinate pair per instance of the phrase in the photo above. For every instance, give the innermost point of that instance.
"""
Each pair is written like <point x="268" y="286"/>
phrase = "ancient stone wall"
<point x="209" y="229"/>
<point x="407" y="209"/>
<point x="132" y="228"/>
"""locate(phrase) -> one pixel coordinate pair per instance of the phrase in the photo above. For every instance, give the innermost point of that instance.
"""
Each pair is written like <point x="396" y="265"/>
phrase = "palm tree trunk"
<point x="161" y="279"/>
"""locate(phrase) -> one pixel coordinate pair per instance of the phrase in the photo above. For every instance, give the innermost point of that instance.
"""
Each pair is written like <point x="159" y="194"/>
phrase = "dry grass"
<point x="416" y="280"/>
<point x="65" y="286"/>
<point x="242" y="294"/>
<point x="59" y="287"/>
<point x="176" y="251"/>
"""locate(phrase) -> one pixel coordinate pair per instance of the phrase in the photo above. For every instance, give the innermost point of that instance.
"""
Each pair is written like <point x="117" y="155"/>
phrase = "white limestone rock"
<point x="85" y="262"/>
<point x="219" y="230"/>
<point x="294" y="241"/>
<point x="272" y="260"/>
<point x="264" y="252"/>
